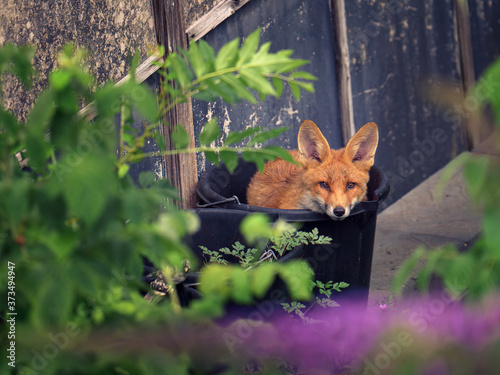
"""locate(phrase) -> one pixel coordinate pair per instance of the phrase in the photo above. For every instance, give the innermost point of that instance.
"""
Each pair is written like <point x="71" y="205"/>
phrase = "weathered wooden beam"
<point x="180" y="169"/>
<point x="214" y="17"/>
<point x="143" y="72"/>
<point x="343" y="70"/>
<point x="474" y="130"/>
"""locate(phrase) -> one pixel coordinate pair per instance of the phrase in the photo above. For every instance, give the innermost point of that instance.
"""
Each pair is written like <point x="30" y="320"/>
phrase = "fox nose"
<point x="338" y="211"/>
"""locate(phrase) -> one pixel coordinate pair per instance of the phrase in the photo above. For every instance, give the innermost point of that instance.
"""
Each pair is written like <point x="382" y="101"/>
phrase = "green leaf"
<point x="180" y="136"/>
<point x="249" y="47"/>
<point x="208" y="55"/>
<point x="230" y="159"/>
<point x="262" y="155"/>
<point x="303" y="75"/>
<point x="262" y="53"/>
<point x="62" y="243"/>
<point x="254" y="156"/>
<point x="53" y="302"/>
<point x="263" y="277"/>
<point x="160" y="141"/>
<point x="210" y="132"/>
<point x="305" y="86"/>
<point x="278" y="85"/>
<point x="86" y="276"/>
<point x="239" y="88"/>
<point x="181" y="69"/>
<point x="424" y="276"/>
<point x="144" y="100"/>
<point x="38" y="150"/>
<point x="256" y="226"/>
<point x="220" y="89"/>
<point x="295" y="90"/>
<point x="227" y="55"/>
<point x="297" y="275"/>
<point x="491" y="231"/>
<point x="256" y="81"/>
<point x="278" y="152"/>
<point x="17" y="60"/>
<point x="87" y="187"/>
<point x="406" y="269"/>
<point x="476" y="172"/>
<point x="196" y="60"/>
<point x="61" y="79"/>
<point x="487" y="89"/>
<point x="147" y="179"/>
<point x="236" y="137"/>
<point x="212" y="157"/>
<point x="292" y="65"/>
<point x="242" y="291"/>
<point x="263" y="136"/>
<point x="123" y="170"/>
<point x="14" y="201"/>
<point x="214" y="280"/>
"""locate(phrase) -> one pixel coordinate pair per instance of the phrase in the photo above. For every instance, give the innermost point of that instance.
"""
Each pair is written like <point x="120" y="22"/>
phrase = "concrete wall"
<point x="108" y="29"/>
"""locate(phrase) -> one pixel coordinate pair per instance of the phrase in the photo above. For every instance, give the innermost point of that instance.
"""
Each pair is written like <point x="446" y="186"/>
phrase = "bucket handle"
<point x="234" y="198"/>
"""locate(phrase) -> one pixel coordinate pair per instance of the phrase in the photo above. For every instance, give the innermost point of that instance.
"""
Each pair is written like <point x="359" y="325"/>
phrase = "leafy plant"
<point x="76" y="228"/>
<point x="234" y="74"/>
<point x="327" y="290"/>
<point x="282" y="238"/>
<point x="476" y="271"/>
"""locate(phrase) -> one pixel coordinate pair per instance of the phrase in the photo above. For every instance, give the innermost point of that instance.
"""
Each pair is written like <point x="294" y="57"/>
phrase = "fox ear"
<point x="362" y="146"/>
<point x="313" y="146"/>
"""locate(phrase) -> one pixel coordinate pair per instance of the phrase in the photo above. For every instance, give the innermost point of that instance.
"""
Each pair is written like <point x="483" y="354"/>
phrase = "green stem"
<point x="122" y="125"/>
<point x="194" y="149"/>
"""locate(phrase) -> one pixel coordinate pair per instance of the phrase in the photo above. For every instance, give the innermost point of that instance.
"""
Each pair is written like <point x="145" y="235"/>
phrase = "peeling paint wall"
<point x="485" y="32"/>
<point x="397" y="49"/>
<point x="108" y="29"/>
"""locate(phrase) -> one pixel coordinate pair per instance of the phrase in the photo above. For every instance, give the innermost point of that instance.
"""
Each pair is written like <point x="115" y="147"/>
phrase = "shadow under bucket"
<point x="349" y="256"/>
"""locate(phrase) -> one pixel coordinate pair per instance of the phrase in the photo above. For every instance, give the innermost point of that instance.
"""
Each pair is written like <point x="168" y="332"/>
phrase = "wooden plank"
<point x="476" y="129"/>
<point x="143" y="72"/>
<point x="213" y="18"/>
<point x="180" y="169"/>
<point x="343" y="70"/>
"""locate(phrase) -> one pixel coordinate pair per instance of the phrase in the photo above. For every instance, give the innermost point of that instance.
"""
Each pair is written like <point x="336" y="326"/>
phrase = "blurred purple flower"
<point x="342" y="337"/>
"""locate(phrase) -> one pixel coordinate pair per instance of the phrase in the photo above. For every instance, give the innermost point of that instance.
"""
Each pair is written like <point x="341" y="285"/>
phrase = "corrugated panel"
<point x="396" y="47"/>
<point x="485" y="32"/>
<point x="304" y="26"/>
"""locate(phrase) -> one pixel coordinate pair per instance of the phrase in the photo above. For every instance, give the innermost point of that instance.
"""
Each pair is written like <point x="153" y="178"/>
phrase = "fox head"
<point x="335" y="179"/>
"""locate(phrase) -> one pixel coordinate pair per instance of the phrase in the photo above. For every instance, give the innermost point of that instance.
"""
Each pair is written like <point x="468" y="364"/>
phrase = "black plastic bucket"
<point x="348" y="258"/>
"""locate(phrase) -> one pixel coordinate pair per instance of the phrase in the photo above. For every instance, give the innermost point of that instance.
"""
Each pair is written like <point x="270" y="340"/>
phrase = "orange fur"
<point x="326" y="180"/>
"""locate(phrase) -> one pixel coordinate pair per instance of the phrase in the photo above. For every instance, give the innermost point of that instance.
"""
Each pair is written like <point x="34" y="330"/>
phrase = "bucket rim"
<point x="213" y="199"/>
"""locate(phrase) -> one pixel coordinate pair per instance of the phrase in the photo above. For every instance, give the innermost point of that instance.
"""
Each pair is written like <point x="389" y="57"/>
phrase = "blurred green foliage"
<point x="475" y="272"/>
<point x="76" y="228"/>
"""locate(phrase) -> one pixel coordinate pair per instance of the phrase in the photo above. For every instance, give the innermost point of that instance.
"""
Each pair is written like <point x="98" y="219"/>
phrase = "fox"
<point x="323" y="180"/>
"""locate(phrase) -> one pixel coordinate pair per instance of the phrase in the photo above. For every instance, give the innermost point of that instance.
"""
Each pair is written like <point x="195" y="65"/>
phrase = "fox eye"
<point x="324" y="185"/>
<point x="351" y="185"/>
